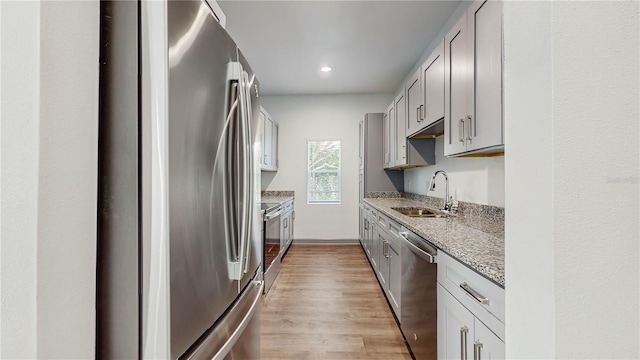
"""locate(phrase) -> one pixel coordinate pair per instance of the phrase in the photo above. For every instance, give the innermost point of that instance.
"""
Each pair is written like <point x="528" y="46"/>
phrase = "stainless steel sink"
<point x="418" y="212"/>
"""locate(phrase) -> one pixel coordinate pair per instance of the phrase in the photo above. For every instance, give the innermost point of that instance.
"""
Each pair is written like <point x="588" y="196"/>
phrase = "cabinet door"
<point x="414" y="104"/>
<point x="433" y="87"/>
<point x="265" y="143"/>
<point x="390" y="136"/>
<point x="395" y="274"/>
<point x="455" y="328"/>
<point x="385" y="140"/>
<point x="484" y="125"/>
<point x="400" y="108"/>
<point x="375" y="248"/>
<point x="274" y="146"/>
<point x="383" y="263"/>
<point x="268" y="142"/>
<point x="361" y="151"/>
<point x="486" y="344"/>
<point x="456" y="87"/>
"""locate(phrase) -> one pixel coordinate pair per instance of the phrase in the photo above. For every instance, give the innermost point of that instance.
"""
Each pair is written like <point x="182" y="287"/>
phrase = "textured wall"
<point x="49" y="142"/>
<point x="20" y="62"/>
<point x="572" y="170"/>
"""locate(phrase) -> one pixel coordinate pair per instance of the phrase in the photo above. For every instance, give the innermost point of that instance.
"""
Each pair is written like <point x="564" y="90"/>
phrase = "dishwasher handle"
<point x="419" y="247"/>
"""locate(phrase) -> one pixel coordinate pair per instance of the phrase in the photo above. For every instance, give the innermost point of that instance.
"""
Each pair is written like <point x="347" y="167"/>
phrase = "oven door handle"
<point x="273" y="214"/>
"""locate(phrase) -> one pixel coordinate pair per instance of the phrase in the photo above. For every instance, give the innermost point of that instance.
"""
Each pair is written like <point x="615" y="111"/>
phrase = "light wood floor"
<point x="327" y="304"/>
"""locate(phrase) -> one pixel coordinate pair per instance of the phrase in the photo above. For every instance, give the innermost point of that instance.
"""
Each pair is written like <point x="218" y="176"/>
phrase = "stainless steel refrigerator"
<point x="180" y="231"/>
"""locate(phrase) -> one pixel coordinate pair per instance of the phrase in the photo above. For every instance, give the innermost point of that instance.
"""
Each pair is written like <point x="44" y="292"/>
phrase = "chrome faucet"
<point x="448" y="204"/>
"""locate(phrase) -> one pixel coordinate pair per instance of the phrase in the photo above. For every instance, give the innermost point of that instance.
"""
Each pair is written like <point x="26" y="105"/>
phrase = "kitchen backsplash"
<point x="383" y="194"/>
<point x="471" y="211"/>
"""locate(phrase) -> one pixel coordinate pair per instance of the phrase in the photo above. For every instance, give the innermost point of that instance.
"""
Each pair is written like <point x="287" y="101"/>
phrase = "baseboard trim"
<point x="326" y="242"/>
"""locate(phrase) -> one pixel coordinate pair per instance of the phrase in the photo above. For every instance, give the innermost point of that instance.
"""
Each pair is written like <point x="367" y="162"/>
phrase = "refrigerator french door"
<point x="179" y="119"/>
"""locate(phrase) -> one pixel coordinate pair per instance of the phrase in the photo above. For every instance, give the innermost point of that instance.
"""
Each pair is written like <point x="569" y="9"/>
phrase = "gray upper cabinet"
<point x="400" y="108"/>
<point x="414" y="103"/>
<point x="373" y="176"/>
<point x="425" y="97"/>
<point x="389" y="136"/>
<point x="473" y="81"/>
<point x="270" y="129"/>
<point x="456" y="88"/>
<point x="485" y="26"/>
<point x="406" y="153"/>
<point x="432" y="76"/>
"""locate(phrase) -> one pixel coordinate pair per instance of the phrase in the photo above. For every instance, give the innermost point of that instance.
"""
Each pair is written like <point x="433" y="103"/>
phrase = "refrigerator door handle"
<point x="250" y="168"/>
<point x="234" y="129"/>
<point x="245" y="226"/>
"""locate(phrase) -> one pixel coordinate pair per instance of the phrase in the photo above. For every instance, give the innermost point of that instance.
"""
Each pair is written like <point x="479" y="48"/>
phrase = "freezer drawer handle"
<point x="474" y="294"/>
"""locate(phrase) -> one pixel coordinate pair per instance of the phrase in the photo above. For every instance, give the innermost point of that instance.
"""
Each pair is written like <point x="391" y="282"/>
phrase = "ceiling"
<point x="371" y="45"/>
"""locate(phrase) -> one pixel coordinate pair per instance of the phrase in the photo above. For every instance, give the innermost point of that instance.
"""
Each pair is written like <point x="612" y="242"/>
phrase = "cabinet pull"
<point x="461" y="130"/>
<point x="463" y="342"/>
<point x="418" y="118"/>
<point x="469" y="135"/>
<point x="474" y="294"/>
<point x="366" y="224"/>
<point x="422" y="112"/>
<point x="385" y="249"/>
<point x="477" y="347"/>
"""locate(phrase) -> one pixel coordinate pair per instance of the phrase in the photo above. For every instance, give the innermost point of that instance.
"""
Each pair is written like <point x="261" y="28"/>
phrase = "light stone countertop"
<point x="276" y="199"/>
<point x="476" y="243"/>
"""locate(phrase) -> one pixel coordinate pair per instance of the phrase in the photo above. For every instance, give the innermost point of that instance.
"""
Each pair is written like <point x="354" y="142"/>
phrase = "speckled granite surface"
<point x="474" y="239"/>
<point x="277" y="196"/>
<point x="269" y="193"/>
<point x="383" y="194"/>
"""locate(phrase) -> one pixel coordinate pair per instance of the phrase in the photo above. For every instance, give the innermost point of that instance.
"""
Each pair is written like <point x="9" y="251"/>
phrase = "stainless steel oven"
<point x="273" y="213"/>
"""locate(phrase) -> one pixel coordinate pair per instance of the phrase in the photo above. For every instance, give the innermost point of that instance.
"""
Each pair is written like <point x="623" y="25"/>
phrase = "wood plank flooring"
<point x="327" y="304"/>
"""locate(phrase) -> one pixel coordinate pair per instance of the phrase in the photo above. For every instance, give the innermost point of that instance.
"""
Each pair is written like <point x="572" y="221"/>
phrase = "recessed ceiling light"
<point x="325" y="69"/>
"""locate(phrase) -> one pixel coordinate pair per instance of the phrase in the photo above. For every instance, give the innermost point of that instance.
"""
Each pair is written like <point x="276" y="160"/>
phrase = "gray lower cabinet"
<point x="461" y="334"/>
<point x="384" y="251"/>
<point x="470" y="313"/>
<point x="286" y="226"/>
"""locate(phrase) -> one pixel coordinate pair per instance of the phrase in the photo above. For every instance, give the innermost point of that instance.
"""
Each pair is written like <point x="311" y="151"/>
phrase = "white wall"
<point x="573" y="167"/>
<point x="303" y="118"/>
<point x="19" y="116"/>
<point x="478" y="180"/>
<point x="49" y="172"/>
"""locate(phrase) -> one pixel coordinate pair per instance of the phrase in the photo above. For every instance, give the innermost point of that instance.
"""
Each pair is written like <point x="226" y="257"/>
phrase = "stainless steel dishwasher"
<point x="419" y="305"/>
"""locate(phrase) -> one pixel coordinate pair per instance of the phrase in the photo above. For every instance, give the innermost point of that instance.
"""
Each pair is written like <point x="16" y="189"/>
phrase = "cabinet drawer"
<point x="394" y="229"/>
<point x="383" y="221"/>
<point x="478" y="294"/>
<point x="287" y="206"/>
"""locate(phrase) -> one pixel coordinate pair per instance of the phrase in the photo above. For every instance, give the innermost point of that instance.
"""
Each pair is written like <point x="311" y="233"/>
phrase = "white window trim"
<point x="339" y="172"/>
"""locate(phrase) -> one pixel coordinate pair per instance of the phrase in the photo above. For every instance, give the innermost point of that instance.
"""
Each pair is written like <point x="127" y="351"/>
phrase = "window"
<point x="323" y="165"/>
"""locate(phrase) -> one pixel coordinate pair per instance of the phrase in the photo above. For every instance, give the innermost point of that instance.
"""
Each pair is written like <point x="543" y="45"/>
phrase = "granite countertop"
<point x="277" y="196"/>
<point x="476" y="242"/>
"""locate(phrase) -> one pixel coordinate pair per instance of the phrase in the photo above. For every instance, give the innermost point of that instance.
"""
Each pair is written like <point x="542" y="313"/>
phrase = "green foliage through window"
<point x="323" y="164"/>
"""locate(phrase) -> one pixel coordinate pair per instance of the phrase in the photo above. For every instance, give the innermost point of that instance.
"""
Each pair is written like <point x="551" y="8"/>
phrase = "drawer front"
<point x="478" y="294"/>
<point x="287" y="206"/>
<point x="394" y="229"/>
<point x="383" y="221"/>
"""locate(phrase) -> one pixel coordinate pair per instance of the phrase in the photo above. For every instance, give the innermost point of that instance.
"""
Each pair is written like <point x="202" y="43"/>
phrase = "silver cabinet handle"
<point x="418" y="118"/>
<point x="461" y="130"/>
<point x="463" y="342"/>
<point x="477" y="347"/>
<point x="422" y="116"/>
<point x="469" y="128"/>
<point x="474" y="294"/>
<point x="385" y="249"/>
